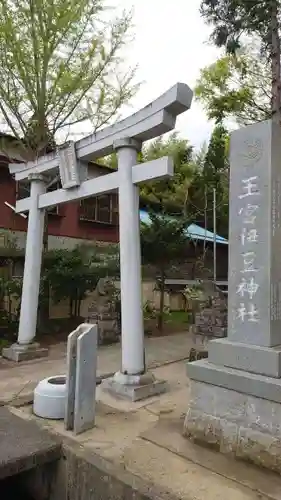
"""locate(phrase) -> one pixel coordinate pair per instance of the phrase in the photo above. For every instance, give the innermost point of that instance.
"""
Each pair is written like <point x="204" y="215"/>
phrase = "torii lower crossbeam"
<point x="151" y="170"/>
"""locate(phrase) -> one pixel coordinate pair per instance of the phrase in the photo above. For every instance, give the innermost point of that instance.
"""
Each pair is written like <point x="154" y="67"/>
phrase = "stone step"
<point x="23" y="445"/>
<point x="206" y="474"/>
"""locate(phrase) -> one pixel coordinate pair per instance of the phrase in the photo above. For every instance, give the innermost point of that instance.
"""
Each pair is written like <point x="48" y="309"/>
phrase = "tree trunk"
<point x="79" y="308"/>
<point x="162" y="301"/>
<point x="70" y="306"/>
<point x="275" y="64"/>
<point x="45" y="235"/>
<point x="76" y="305"/>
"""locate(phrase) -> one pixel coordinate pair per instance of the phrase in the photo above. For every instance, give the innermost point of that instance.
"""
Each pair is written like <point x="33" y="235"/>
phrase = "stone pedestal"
<point x="242" y="424"/>
<point x="134" y="388"/>
<point x="17" y="352"/>
<point x="235" y="400"/>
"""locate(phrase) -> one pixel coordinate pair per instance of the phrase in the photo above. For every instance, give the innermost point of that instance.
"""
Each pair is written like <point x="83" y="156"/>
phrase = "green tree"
<point x="72" y="274"/>
<point x="213" y="175"/>
<point x="169" y="193"/>
<point x="10" y="288"/>
<point x="60" y="66"/>
<point x="236" y="86"/>
<point x="164" y="242"/>
<point x="234" y="19"/>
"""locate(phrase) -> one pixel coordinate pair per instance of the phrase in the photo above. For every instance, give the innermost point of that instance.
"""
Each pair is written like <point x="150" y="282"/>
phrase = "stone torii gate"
<point x="126" y="139"/>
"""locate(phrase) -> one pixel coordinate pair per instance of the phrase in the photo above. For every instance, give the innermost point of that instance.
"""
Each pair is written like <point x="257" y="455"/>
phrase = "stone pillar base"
<point x="17" y="352"/>
<point x="134" y="388"/>
<point x="235" y="412"/>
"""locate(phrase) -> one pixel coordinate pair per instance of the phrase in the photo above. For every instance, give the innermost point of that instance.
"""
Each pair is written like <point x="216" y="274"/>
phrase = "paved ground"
<point x="146" y="437"/>
<point x="17" y="381"/>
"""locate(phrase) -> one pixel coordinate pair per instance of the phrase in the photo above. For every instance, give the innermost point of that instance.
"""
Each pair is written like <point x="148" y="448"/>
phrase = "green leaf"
<point x="236" y="87"/>
<point x="61" y="64"/>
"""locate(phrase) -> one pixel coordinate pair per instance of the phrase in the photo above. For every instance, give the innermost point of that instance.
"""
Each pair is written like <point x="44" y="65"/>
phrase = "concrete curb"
<point x="26" y="399"/>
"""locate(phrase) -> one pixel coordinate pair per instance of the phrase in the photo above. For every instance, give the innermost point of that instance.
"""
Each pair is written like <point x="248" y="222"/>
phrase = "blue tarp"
<point x="194" y="231"/>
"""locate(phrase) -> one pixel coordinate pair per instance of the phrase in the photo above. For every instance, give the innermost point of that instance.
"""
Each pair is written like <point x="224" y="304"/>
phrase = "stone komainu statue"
<point x="210" y="320"/>
<point x="104" y="311"/>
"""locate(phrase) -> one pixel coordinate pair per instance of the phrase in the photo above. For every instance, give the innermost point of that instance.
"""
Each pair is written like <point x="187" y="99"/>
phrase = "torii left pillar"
<point x="26" y="348"/>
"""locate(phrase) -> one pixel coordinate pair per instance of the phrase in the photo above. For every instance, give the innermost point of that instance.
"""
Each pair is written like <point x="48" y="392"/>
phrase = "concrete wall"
<point x="174" y="301"/>
<point x="60" y="310"/>
<point x="54" y="242"/>
<point x="82" y="475"/>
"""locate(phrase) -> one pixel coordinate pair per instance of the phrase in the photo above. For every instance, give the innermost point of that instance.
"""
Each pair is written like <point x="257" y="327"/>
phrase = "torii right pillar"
<point x="235" y="395"/>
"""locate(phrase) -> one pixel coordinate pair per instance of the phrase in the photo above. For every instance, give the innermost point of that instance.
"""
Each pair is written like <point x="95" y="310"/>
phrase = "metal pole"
<point x="215" y="233"/>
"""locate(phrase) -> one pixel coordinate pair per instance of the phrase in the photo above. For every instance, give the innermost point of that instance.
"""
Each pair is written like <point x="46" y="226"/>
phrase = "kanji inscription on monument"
<point x="254" y="237"/>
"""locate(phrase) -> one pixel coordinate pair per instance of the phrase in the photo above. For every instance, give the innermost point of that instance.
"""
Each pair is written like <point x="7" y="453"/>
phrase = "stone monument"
<point x="103" y="312"/>
<point x="236" y="393"/>
<point x="80" y="404"/>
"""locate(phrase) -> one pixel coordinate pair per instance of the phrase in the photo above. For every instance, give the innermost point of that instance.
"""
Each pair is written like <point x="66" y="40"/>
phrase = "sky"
<point x="171" y="45"/>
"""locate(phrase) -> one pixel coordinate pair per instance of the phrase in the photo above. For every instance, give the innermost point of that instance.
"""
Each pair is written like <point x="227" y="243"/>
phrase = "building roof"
<point x="195" y="232"/>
